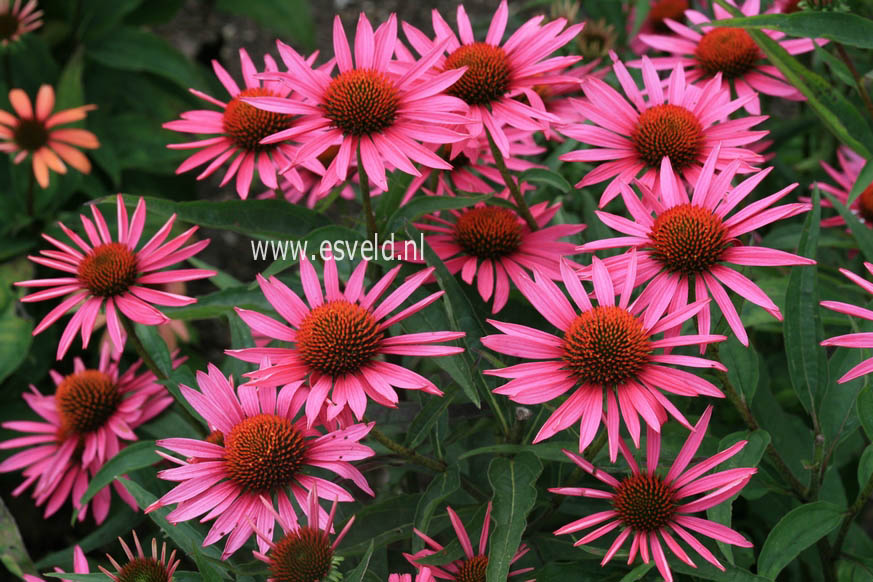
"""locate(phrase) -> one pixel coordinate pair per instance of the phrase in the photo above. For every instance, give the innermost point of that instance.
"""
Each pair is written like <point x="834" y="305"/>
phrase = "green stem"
<point x="520" y="202"/>
<point x="364" y="183"/>
<point x="140" y="349"/>
<point x="859" y="82"/>
<point x="411" y="455"/>
<point x="852" y="513"/>
<point x="30" y="182"/>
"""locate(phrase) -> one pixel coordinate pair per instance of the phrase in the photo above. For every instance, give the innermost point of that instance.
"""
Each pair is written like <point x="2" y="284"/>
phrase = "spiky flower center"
<point x="606" y="346"/>
<point x="644" y="502"/>
<point x="729" y="51"/>
<point x="488" y="232"/>
<point x="487" y="76"/>
<point x="86" y="400"/>
<point x="303" y="555"/>
<point x="9" y="25"/>
<point x="108" y="270"/>
<point x="338" y="337"/>
<point x="30" y="135"/>
<point x="264" y="453"/>
<point x="663" y="9"/>
<point x="865" y="204"/>
<point x="671" y="131"/>
<point x="688" y="239"/>
<point x="144" y="570"/>
<point x="361" y="102"/>
<point x="246" y="125"/>
<point x="473" y="570"/>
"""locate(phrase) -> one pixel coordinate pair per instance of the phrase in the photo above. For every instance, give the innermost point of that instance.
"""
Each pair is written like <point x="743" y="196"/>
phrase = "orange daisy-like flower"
<point x="16" y="20"/>
<point x="33" y="131"/>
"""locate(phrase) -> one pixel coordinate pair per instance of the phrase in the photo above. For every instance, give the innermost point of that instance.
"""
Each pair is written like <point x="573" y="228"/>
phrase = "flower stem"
<point x="859" y="82"/>
<point x="851" y="514"/>
<point x="520" y="202"/>
<point x="140" y="349"/>
<point x="364" y="184"/>
<point x="411" y="455"/>
<point x="30" y="182"/>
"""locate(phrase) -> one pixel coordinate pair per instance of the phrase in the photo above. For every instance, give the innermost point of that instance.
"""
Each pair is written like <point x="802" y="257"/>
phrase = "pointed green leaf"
<point x="132" y="457"/>
<point x="797" y="530"/>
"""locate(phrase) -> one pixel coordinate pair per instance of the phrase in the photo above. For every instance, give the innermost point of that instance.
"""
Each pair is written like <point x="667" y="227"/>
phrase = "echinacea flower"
<point x="853" y="340"/>
<point x="707" y="51"/>
<point x="496" y="73"/>
<point x="102" y="272"/>
<point x="80" y="566"/>
<point x="681" y="122"/>
<point x="684" y="242"/>
<point x="86" y="422"/>
<point x="339" y="337"/>
<point x="240" y="128"/>
<point x="473" y="565"/>
<point x="651" y="507"/>
<point x="655" y="20"/>
<point x="33" y="131"/>
<point x="851" y="165"/>
<point x="604" y="354"/>
<point x="423" y="575"/>
<point x="371" y="108"/>
<point x="258" y="448"/>
<point x="142" y="568"/>
<point x="494" y="245"/>
<point x="304" y="552"/>
<point x="17" y="20"/>
<point x="474" y="168"/>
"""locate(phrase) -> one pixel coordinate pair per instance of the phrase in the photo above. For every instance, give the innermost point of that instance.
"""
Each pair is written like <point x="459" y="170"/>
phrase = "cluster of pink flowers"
<point x="680" y="155"/>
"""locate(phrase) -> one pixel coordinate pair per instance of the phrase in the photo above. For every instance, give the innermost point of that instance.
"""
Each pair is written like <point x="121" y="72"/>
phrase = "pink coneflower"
<point x="142" y="568"/>
<point x="853" y="340"/>
<point x="655" y="21"/>
<point x="473" y="566"/>
<point x="685" y="242"/>
<point x="423" y="575"/>
<point x="304" y="552"/>
<point x="681" y="122"/>
<point x="604" y="354"/>
<point x="241" y="127"/>
<point x="496" y="74"/>
<point x="474" y="168"/>
<point x="115" y="274"/>
<point x="728" y="52"/>
<point x="17" y="20"/>
<point x="256" y="449"/>
<point x="338" y="338"/>
<point x="494" y="245"/>
<point x="84" y="424"/>
<point x="851" y="165"/>
<point x="80" y="566"/>
<point x="372" y="108"/>
<point x="651" y="508"/>
<point x="33" y="131"/>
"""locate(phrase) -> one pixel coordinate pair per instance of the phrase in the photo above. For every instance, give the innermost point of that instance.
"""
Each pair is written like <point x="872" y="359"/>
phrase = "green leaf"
<point x="13" y="553"/>
<point x="221" y="303"/>
<point x="797" y="530"/>
<point x="183" y="534"/>
<point x="865" y="410"/>
<point x="156" y="347"/>
<point x="182" y="376"/>
<point x="841" y="27"/>
<point x="101" y="17"/>
<point x="742" y="364"/>
<point x="440" y="488"/>
<point x="132" y="457"/>
<point x="552" y="450"/>
<point x="749" y="456"/>
<point x="807" y="363"/>
<point x="864" y="179"/>
<point x="838" y="113"/>
<point x="357" y="575"/>
<point x="424" y="421"/>
<point x="290" y="18"/>
<point x="255" y="218"/>
<point x="545" y="176"/>
<point x="422" y="205"/>
<point x="70" y="92"/>
<point x="863" y="235"/>
<point x="120" y="523"/>
<point x="93" y="577"/>
<point x="16" y="338"/>
<point x="865" y="466"/>
<point x="133" y="49"/>
<point x="514" y="484"/>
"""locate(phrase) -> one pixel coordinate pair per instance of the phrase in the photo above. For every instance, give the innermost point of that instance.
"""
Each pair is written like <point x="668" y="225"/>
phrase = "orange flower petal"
<point x="21" y="103"/>
<point x="45" y="102"/>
